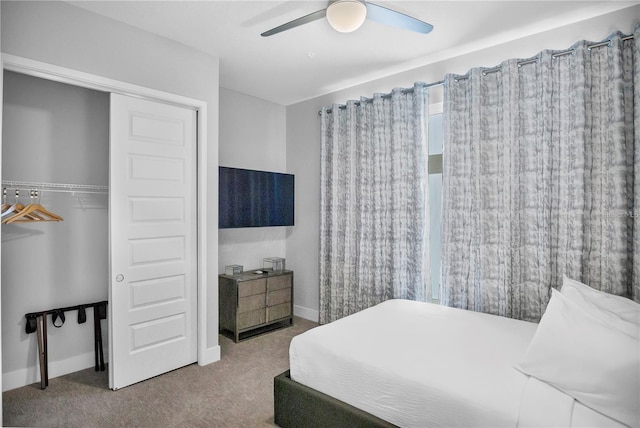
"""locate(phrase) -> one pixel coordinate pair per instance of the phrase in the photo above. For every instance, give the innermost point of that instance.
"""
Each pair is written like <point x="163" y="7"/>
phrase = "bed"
<point x="413" y="364"/>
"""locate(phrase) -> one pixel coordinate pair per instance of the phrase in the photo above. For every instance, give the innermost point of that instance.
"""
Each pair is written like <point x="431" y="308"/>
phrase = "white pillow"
<point x="587" y="358"/>
<point x="590" y="303"/>
<point x="625" y="308"/>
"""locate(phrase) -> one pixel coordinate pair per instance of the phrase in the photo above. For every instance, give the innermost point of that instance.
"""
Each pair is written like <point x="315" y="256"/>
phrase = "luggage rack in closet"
<point x="34" y="211"/>
<point x="36" y="322"/>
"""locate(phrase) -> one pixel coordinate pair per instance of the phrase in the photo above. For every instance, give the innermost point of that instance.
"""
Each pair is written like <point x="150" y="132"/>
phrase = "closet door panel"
<point x="154" y="210"/>
<point x="154" y="291"/>
<point x="164" y="169"/>
<point x="153" y="239"/>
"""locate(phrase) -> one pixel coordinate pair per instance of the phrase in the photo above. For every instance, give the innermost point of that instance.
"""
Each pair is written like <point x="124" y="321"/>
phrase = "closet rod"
<point x="56" y="187"/>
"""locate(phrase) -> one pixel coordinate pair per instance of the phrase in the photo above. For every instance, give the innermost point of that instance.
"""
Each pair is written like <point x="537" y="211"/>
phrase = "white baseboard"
<point x="27" y="376"/>
<point x="306" y="313"/>
<point x="210" y="355"/>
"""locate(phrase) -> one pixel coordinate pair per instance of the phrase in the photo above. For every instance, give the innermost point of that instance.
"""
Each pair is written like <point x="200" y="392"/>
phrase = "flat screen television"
<point x="250" y="198"/>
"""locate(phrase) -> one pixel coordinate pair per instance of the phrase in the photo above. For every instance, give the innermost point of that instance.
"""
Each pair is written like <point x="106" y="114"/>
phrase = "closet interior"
<point x="55" y="175"/>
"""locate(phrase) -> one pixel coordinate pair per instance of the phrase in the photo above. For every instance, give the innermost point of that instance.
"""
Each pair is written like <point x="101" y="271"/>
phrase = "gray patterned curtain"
<point x="373" y="207"/>
<point x="540" y="162"/>
<point x="635" y="70"/>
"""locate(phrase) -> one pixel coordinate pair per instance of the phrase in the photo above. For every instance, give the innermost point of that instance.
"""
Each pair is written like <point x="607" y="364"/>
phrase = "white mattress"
<point x="420" y="365"/>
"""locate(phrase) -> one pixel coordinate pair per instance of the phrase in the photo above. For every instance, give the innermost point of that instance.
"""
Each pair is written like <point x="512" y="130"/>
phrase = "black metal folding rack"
<point x="37" y="322"/>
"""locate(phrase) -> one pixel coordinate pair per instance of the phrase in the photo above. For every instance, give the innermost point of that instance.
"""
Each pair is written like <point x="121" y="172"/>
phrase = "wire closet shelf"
<point x="55" y="187"/>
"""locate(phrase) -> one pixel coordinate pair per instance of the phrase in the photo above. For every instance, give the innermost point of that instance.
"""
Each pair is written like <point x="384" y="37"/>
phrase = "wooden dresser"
<point x="252" y="304"/>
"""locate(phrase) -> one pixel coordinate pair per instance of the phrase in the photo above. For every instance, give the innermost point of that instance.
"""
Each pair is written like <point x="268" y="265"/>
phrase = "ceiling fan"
<point x="346" y="16"/>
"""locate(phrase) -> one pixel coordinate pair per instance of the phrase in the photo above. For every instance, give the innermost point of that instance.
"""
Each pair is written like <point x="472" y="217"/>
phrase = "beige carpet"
<point x="236" y="391"/>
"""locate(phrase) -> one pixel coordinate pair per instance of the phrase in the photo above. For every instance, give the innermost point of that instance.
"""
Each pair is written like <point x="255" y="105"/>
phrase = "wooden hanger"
<point x="32" y="212"/>
<point x="5" y="205"/>
<point x="12" y="209"/>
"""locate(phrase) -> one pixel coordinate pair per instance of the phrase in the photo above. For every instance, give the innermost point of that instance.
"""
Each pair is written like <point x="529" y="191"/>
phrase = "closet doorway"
<point x="155" y="261"/>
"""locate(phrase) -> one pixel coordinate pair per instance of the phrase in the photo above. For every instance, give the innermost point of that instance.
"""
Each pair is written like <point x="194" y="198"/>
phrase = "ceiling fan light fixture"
<point x="346" y="16"/>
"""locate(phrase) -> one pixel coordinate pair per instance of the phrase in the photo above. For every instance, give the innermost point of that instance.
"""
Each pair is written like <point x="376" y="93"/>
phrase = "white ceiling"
<point x="313" y="59"/>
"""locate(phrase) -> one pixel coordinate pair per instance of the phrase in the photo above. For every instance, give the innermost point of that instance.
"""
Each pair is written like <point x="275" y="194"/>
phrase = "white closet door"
<point x="153" y="292"/>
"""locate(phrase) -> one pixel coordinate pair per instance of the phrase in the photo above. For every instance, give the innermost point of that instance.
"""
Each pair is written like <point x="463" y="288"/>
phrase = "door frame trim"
<point x="91" y="81"/>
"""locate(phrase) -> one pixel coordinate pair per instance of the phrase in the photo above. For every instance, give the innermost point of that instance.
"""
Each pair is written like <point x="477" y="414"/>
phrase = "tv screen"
<point x="249" y="198"/>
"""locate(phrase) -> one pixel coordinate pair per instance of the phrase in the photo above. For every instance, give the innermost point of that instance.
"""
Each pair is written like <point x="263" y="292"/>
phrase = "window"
<point x="435" y="197"/>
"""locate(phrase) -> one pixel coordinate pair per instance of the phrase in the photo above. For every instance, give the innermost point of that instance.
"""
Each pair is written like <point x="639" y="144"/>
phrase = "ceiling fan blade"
<point x="296" y="22"/>
<point x="393" y="18"/>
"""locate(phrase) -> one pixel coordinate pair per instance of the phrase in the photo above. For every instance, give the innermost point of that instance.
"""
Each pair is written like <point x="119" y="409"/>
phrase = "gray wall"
<point x="303" y="132"/>
<point x="252" y="136"/>
<point x="64" y="35"/>
<point x="53" y="133"/>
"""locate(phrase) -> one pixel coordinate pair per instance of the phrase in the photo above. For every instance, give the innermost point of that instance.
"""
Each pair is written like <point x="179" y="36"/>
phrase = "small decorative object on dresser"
<point x="233" y="270"/>
<point x="255" y="302"/>
<point x="276" y="264"/>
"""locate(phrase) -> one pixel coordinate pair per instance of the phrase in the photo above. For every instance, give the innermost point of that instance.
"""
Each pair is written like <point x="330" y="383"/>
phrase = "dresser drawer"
<point x="249" y="288"/>
<point x="279" y="282"/>
<point x="278" y="296"/>
<point x="278" y="311"/>
<point x="249" y="319"/>
<point x="251" y="303"/>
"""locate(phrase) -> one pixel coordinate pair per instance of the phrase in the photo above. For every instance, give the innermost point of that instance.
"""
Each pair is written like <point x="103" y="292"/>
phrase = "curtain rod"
<point x="555" y="55"/>
<point x="490" y="70"/>
<point x="370" y="100"/>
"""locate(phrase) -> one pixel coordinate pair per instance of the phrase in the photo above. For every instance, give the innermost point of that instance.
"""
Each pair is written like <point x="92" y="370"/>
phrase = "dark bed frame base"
<point x="298" y="406"/>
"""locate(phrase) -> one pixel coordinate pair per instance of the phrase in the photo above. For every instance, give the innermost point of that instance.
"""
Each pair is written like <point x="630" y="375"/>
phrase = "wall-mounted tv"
<point x="249" y="198"/>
